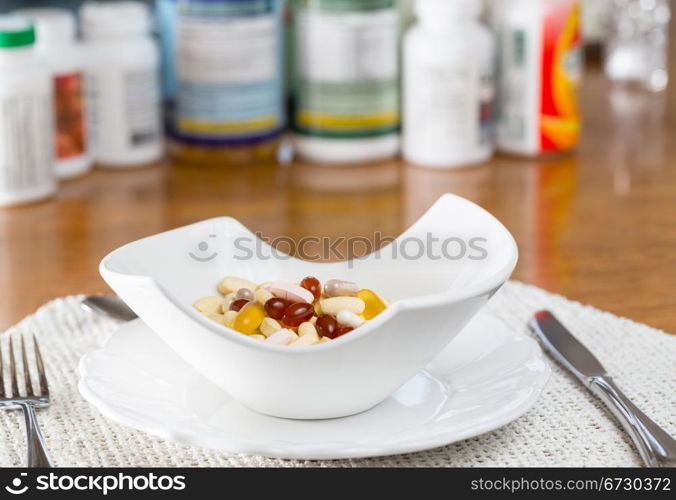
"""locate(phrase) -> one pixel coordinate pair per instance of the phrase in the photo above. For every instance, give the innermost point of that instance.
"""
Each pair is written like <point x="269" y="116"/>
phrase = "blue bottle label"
<point x="229" y="71"/>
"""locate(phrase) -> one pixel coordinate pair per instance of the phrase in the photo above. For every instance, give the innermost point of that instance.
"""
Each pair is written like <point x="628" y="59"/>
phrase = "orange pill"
<point x="249" y="318"/>
<point x="374" y="304"/>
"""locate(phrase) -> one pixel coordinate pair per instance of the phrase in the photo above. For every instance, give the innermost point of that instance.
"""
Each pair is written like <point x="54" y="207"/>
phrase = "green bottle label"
<point x="347" y="68"/>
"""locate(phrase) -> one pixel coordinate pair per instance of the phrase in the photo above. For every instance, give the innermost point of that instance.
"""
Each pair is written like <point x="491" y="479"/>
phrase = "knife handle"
<point x="657" y="448"/>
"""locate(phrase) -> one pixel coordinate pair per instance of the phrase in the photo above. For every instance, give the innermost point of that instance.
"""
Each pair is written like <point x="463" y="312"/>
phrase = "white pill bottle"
<point x="57" y="45"/>
<point x="448" y="86"/>
<point x="123" y="84"/>
<point x="26" y="122"/>
<point x="346" y="84"/>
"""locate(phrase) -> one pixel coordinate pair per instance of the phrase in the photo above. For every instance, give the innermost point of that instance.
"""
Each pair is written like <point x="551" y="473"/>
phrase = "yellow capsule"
<point x="249" y="318"/>
<point x="374" y="304"/>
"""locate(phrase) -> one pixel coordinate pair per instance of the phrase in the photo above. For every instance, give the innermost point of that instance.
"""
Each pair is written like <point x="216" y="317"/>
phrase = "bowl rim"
<point x="445" y="297"/>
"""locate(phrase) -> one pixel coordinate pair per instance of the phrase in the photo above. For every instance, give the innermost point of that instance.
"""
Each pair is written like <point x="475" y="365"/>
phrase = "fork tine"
<point x="26" y="371"/>
<point x="12" y="370"/>
<point x="2" y="369"/>
<point x="42" y="376"/>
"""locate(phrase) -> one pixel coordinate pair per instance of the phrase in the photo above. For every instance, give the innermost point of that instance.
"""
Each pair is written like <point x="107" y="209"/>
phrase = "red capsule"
<point x="342" y="330"/>
<point x="312" y="285"/>
<point x="327" y="326"/>
<point x="276" y="306"/>
<point x="297" y="313"/>
<point x="236" y="305"/>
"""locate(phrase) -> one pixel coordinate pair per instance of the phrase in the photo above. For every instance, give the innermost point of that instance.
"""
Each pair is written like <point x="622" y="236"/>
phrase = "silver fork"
<point x="37" y="450"/>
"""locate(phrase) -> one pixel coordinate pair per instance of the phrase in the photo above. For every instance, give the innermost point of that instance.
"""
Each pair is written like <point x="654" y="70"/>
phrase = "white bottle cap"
<point x="114" y="20"/>
<point x="442" y="11"/>
<point x="53" y="26"/>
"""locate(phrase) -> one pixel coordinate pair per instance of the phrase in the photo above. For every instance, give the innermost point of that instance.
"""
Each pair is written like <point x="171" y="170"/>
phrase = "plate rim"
<point x="315" y="452"/>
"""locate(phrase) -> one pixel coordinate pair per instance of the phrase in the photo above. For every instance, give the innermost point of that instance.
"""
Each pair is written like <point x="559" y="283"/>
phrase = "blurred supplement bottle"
<point x="346" y="85"/>
<point x="229" y="96"/>
<point x="540" y="66"/>
<point x="636" y="49"/>
<point x="56" y="44"/>
<point x="166" y="12"/>
<point x="594" y="15"/>
<point x="448" y="112"/>
<point x="123" y="84"/>
<point x="26" y="120"/>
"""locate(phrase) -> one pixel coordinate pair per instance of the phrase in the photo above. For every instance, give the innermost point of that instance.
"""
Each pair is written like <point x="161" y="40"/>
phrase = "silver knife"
<point x="109" y="305"/>
<point x="657" y="448"/>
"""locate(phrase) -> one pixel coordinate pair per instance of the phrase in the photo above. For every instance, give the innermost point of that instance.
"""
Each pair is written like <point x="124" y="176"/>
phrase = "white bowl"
<point x="434" y="297"/>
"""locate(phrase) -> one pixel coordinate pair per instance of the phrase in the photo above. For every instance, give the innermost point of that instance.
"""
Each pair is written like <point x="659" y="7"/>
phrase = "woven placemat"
<point x="567" y="427"/>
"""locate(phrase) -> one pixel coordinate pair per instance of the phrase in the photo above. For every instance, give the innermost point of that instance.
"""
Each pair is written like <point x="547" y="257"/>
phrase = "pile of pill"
<point x="285" y="313"/>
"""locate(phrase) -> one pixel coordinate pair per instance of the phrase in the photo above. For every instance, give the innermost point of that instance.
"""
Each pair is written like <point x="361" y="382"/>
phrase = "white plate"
<point x="487" y="377"/>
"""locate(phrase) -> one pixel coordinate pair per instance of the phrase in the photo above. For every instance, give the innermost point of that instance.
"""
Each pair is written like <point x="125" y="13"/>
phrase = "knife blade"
<point x="113" y="307"/>
<point x="566" y="348"/>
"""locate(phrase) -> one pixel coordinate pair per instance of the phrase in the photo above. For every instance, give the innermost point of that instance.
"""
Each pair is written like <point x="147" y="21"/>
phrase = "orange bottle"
<point x="539" y="72"/>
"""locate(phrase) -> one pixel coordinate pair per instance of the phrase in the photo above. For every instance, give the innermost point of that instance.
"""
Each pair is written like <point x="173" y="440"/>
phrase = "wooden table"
<point x="598" y="226"/>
